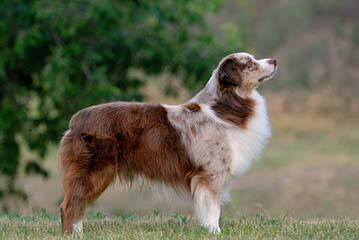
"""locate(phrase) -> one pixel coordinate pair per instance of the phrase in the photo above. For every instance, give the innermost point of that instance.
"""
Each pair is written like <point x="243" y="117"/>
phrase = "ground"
<point x="157" y="226"/>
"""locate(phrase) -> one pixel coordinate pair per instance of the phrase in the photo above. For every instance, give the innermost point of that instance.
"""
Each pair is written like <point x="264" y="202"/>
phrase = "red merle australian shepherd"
<point x="199" y="147"/>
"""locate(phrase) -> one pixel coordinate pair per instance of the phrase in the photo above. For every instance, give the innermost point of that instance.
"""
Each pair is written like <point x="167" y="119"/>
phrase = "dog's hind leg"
<point x="81" y="191"/>
<point x="72" y="210"/>
<point x="86" y="175"/>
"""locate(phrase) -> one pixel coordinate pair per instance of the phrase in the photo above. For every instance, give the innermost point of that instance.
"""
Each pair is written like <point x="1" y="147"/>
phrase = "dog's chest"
<point x="247" y="144"/>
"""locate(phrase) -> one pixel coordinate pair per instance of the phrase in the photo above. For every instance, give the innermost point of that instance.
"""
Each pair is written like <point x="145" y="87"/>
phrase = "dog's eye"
<point x="249" y="64"/>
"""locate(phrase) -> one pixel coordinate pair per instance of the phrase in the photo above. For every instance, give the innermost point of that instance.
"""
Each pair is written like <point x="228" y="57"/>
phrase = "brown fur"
<point x="229" y="74"/>
<point x="230" y="106"/>
<point x="234" y="109"/>
<point x="193" y="107"/>
<point x="128" y="139"/>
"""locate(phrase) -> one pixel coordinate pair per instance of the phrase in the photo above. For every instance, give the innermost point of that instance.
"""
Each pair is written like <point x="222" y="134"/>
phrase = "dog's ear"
<point x="229" y="73"/>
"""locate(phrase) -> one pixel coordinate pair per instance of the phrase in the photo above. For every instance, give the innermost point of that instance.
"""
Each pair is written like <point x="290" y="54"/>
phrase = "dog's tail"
<point x="65" y="150"/>
<point x="71" y="139"/>
<point x="85" y="148"/>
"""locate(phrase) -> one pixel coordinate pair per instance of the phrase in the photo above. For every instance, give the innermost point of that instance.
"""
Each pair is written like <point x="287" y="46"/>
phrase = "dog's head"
<point x="242" y="72"/>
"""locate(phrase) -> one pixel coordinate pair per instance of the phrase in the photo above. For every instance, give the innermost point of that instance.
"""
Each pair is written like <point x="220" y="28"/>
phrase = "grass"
<point x="156" y="226"/>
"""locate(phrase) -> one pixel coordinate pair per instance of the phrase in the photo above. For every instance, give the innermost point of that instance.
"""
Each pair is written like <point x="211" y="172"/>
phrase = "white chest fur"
<point x="247" y="144"/>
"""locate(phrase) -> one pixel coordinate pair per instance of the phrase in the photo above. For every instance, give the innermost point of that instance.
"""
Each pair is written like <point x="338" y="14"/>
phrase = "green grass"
<point x="157" y="226"/>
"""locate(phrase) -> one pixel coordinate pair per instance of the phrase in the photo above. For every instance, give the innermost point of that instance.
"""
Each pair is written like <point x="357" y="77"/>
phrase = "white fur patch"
<point x="77" y="227"/>
<point x="207" y="209"/>
<point x="207" y="110"/>
<point x="248" y="144"/>
<point x="241" y="55"/>
<point x="67" y="132"/>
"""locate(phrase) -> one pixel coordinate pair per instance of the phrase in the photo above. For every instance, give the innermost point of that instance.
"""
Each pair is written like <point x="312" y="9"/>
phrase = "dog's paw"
<point x="77" y="228"/>
<point x="214" y="229"/>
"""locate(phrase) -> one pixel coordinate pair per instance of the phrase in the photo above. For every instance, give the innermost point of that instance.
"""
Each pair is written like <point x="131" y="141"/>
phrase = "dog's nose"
<point x="273" y="61"/>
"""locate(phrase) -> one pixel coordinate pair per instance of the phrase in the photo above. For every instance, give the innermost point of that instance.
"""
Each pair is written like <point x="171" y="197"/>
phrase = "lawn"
<point x="157" y="226"/>
<point x="304" y="187"/>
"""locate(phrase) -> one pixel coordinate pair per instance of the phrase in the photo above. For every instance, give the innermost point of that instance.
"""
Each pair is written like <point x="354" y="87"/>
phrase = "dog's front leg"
<point x="207" y="207"/>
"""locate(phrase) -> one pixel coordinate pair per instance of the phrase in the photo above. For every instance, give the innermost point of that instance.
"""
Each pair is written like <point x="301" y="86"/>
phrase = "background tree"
<point x="57" y="57"/>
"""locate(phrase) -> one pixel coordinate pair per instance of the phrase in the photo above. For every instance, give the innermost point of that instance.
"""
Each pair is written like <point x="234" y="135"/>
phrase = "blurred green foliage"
<point x="57" y="57"/>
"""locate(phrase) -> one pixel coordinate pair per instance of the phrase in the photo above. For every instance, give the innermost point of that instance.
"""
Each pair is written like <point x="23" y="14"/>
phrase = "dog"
<point x="198" y="148"/>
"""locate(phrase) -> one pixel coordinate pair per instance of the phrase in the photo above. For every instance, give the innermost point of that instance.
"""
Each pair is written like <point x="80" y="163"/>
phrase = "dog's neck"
<point x="211" y="94"/>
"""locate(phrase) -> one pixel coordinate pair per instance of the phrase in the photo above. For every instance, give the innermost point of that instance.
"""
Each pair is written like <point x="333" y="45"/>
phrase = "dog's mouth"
<point x="265" y="78"/>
